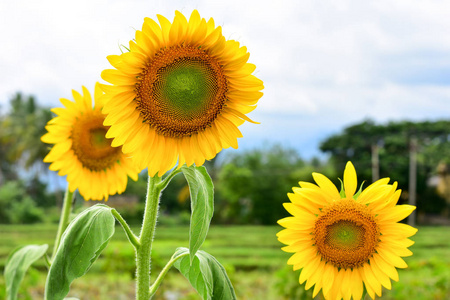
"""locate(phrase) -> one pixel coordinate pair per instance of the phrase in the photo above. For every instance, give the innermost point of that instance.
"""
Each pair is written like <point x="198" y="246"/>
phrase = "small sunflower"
<point x="344" y="240"/>
<point x="179" y="94"/>
<point x="82" y="152"/>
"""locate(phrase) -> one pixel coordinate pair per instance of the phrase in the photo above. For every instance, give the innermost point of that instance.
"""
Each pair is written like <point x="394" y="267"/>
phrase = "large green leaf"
<point x="81" y="244"/>
<point x="202" y="205"/>
<point x="17" y="265"/>
<point x="206" y="275"/>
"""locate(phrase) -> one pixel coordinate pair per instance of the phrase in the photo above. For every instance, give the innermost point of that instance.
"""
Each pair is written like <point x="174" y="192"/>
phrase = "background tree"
<point x="393" y="144"/>
<point x="22" y="152"/>
<point x="21" y="129"/>
<point x="252" y="185"/>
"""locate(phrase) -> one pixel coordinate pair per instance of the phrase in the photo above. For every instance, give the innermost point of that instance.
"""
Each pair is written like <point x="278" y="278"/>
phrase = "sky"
<point x="325" y="64"/>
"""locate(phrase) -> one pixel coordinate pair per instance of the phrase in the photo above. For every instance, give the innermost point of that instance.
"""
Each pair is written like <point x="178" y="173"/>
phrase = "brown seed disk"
<point x="178" y="116"/>
<point x="346" y="234"/>
<point x="91" y="146"/>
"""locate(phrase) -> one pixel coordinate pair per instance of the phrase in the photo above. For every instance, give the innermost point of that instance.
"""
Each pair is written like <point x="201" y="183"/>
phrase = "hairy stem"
<point x="64" y="220"/>
<point x="143" y="253"/>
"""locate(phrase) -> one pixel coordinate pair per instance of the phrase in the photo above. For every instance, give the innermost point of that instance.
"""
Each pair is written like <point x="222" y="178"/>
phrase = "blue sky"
<point x="325" y="64"/>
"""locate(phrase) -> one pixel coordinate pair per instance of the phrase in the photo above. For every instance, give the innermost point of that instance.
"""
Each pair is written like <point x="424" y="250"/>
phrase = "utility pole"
<point x="375" y="162"/>
<point x="412" y="178"/>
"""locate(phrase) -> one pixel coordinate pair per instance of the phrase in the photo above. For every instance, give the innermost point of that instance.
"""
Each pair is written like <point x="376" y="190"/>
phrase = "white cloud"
<point x="325" y="64"/>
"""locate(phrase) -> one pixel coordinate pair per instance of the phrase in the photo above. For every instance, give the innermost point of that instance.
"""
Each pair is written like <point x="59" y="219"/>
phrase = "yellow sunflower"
<point x="82" y="152"/>
<point x="342" y="240"/>
<point x="179" y="94"/>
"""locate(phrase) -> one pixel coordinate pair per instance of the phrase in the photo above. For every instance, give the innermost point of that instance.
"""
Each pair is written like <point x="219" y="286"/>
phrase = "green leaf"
<point x="206" y="275"/>
<point x="202" y="205"/>
<point x="17" y="265"/>
<point x="81" y="244"/>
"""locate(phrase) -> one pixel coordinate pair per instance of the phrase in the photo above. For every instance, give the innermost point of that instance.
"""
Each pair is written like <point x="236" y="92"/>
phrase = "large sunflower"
<point x="342" y="240"/>
<point x="81" y="150"/>
<point x="179" y="94"/>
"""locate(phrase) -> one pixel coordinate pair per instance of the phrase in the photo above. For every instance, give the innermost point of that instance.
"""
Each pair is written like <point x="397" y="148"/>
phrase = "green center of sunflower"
<point x="346" y="234"/>
<point x="181" y="91"/>
<point x="90" y="145"/>
<point x="98" y="138"/>
<point x="186" y="87"/>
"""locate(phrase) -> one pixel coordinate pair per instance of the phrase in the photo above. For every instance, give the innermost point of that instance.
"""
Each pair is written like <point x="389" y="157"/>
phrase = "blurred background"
<point x="347" y="80"/>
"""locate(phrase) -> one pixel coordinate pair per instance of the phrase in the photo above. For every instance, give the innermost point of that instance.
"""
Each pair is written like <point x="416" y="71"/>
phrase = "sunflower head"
<point x="345" y="240"/>
<point x="83" y="152"/>
<point x="179" y="94"/>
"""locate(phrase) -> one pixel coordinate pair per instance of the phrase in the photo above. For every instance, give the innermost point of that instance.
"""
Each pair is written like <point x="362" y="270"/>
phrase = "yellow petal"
<point x="315" y="278"/>
<point x="316" y="196"/>
<point x="350" y="180"/>
<point x="346" y="284"/>
<point x="380" y="275"/>
<point x="392" y="258"/>
<point x="396" y="213"/>
<point x="165" y="28"/>
<point x="309" y="268"/>
<point x="118" y="78"/>
<point x="327" y="186"/>
<point x="296" y="211"/>
<point x="356" y="284"/>
<point x="387" y="268"/>
<point x="304" y="203"/>
<point x="328" y="278"/>
<point x="297" y="247"/>
<point x="398" y="230"/>
<point x="371" y="279"/>
<point x="303" y="257"/>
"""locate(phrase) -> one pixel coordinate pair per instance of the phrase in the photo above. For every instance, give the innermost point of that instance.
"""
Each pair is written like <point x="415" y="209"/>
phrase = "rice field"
<point x="250" y="254"/>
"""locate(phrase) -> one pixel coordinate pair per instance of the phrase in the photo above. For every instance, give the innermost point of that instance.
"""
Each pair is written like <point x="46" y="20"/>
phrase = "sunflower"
<point x="342" y="240"/>
<point x="179" y="94"/>
<point x="82" y="152"/>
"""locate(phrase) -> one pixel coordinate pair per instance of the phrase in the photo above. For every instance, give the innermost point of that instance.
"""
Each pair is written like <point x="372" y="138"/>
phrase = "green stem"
<point x="143" y="253"/>
<point x="131" y="236"/>
<point x="64" y="220"/>
<point x="163" y="273"/>
<point x="162" y="185"/>
<point x="47" y="260"/>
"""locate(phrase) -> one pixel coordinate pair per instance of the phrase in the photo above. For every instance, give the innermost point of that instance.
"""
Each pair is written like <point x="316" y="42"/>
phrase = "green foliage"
<point x="171" y="220"/>
<point x="287" y="285"/>
<point x="17" y="265"/>
<point x="26" y="212"/>
<point x="253" y="185"/>
<point x="22" y="128"/>
<point x="16" y="206"/>
<point x="133" y="213"/>
<point x="135" y="188"/>
<point x="37" y="190"/>
<point x="206" y="275"/>
<point x="202" y="205"/>
<point x="81" y="244"/>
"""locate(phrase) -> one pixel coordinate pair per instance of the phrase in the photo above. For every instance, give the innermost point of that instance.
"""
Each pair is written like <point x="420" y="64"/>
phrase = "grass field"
<point x="250" y="254"/>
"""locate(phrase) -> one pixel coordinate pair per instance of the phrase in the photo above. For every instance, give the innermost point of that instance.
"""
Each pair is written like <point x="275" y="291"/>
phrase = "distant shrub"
<point x="16" y="207"/>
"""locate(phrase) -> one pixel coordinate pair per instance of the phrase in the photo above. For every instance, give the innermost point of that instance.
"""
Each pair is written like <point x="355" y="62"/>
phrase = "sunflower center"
<point x="346" y="234"/>
<point x="91" y="146"/>
<point x="181" y="91"/>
